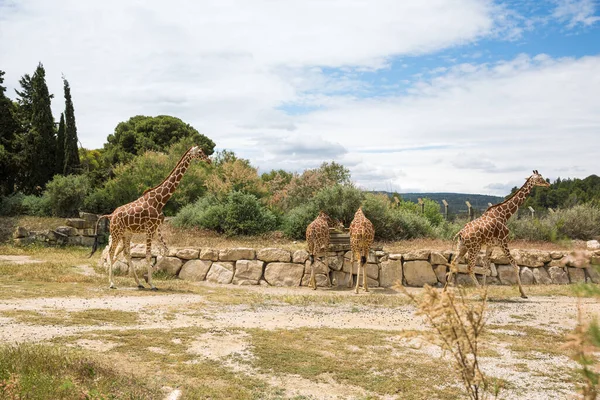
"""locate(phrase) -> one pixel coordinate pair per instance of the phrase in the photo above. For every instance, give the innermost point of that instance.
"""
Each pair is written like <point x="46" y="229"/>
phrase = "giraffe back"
<point x="362" y="233"/>
<point x="317" y="235"/>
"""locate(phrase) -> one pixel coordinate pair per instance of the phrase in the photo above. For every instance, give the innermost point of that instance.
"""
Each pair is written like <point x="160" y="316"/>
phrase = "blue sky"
<point x="439" y="95"/>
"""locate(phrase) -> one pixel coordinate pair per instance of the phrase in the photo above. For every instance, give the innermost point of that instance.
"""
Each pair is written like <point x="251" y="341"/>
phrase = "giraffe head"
<point x="331" y="222"/>
<point x="196" y="152"/>
<point x="538" y="179"/>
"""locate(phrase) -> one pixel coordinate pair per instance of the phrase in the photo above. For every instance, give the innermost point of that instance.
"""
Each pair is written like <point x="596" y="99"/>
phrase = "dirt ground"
<point x="220" y="323"/>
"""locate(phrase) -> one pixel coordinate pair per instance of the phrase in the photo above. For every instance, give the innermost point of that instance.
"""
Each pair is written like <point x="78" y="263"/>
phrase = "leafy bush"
<point x="579" y="222"/>
<point x="533" y="229"/>
<point x="12" y="205"/>
<point x="66" y="194"/>
<point x="39" y="206"/>
<point x="339" y="202"/>
<point x="239" y="214"/>
<point x="297" y="219"/>
<point x="447" y="230"/>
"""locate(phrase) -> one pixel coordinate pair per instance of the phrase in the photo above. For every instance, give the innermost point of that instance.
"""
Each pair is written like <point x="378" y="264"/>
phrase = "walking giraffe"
<point x="362" y="235"/>
<point x="144" y="215"/>
<point x="491" y="229"/>
<point x="317" y="241"/>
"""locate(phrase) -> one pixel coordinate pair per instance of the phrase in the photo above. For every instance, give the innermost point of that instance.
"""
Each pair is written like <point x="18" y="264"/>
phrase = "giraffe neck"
<point x="160" y="194"/>
<point x="510" y="206"/>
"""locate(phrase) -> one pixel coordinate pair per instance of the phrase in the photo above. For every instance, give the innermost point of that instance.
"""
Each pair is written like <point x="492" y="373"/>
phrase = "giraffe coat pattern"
<point x="362" y="235"/>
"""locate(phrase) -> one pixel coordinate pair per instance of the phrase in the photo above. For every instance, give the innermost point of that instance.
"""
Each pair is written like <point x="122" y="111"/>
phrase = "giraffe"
<point x="144" y="215"/>
<point x="490" y="229"/>
<point x="362" y="235"/>
<point x="317" y="241"/>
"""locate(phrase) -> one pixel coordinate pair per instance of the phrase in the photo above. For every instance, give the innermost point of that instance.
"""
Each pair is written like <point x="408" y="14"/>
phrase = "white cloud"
<point x="575" y="12"/>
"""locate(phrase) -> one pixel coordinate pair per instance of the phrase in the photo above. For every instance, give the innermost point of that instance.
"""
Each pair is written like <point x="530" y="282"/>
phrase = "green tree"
<point x="8" y="130"/>
<point x="60" y="144"/>
<point x="142" y="133"/>
<point x="71" y="158"/>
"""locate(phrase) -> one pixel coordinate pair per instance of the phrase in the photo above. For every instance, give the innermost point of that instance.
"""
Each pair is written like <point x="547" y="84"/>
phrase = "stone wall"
<point x="76" y="231"/>
<point x="279" y="267"/>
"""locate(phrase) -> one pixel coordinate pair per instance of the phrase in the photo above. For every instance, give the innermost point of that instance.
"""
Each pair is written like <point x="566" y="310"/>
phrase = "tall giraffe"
<point x="144" y="215"/>
<point x="362" y="234"/>
<point x="317" y="241"/>
<point x="491" y="230"/>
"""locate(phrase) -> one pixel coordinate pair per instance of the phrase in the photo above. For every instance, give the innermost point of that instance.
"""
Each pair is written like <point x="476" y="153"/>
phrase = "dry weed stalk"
<point x="584" y="341"/>
<point x="458" y="325"/>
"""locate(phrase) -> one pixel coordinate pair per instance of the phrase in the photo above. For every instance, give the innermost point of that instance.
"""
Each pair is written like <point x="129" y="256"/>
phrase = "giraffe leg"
<point x="472" y="260"/>
<point x="364" y="268"/>
<point x="312" y="282"/>
<point x="161" y="240"/>
<point x="358" y="274"/>
<point x="127" y="252"/>
<point x="486" y="262"/>
<point x="149" y="259"/>
<point x="515" y="266"/>
<point x="111" y="260"/>
<point x="453" y="269"/>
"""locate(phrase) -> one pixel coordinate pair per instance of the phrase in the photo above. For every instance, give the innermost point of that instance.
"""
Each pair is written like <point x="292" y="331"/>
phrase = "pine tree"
<point x="8" y="130"/>
<point x="60" y="145"/>
<point x="72" y="164"/>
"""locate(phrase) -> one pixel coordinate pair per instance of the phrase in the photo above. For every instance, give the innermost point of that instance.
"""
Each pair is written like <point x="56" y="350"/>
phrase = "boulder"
<point x="372" y="271"/>
<point x="284" y="274"/>
<point x="138" y="250"/>
<point x="527" y="277"/>
<point x="66" y="230"/>
<point x="349" y="266"/>
<point x="195" y="270"/>
<point x="578" y="258"/>
<point x="593" y="245"/>
<point x="273" y="255"/>
<point x="319" y="266"/>
<point x="437" y="258"/>
<point x="558" y="275"/>
<point x="188" y="254"/>
<point x="209" y="254"/>
<point x="300" y="256"/>
<point x="556" y="255"/>
<point x="418" y="273"/>
<point x="235" y="254"/>
<point x="248" y="272"/>
<point x="79" y="223"/>
<point x="221" y="272"/>
<point x="576" y="275"/>
<point x="89" y="217"/>
<point x="462" y="268"/>
<point x="171" y="265"/>
<point x="321" y="279"/>
<point x="593" y="273"/>
<point x="340" y="278"/>
<point x="541" y="276"/>
<point x="335" y="262"/>
<point x="498" y="257"/>
<point x="396" y="256"/>
<point x="440" y="272"/>
<point x="507" y="274"/>
<point x="558" y="262"/>
<point x="531" y="258"/>
<point x="413" y="255"/>
<point x="391" y="272"/>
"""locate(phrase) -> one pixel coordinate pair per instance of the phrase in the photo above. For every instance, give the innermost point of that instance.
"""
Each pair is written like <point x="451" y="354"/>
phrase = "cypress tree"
<point x="72" y="164"/>
<point x="8" y="130"/>
<point x="60" y="145"/>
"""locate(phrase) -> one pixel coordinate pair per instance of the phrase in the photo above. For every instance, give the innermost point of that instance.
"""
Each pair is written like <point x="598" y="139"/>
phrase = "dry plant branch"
<point x="458" y="324"/>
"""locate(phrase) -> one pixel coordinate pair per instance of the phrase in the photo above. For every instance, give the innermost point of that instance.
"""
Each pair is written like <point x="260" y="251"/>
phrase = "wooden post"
<point x="532" y="211"/>
<point x="422" y="204"/>
<point x="470" y="209"/>
<point x="445" y="209"/>
<point x="489" y="205"/>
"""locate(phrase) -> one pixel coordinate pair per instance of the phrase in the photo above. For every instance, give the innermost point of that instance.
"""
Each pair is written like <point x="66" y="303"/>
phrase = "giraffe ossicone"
<point x="144" y="215"/>
<point x="491" y="230"/>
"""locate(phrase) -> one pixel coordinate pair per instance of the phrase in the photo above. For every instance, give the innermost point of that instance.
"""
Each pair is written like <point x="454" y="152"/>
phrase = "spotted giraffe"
<point x="317" y="241"/>
<point x="491" y="230"/>
<point x="362" y="235"/>
<point x="144" y="215"/>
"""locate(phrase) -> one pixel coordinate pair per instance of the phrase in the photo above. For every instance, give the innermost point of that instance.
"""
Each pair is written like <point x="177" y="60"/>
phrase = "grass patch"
<point x="62" y="318"/>
<point x="29" y="371"/>
<point x="530" y="341"/>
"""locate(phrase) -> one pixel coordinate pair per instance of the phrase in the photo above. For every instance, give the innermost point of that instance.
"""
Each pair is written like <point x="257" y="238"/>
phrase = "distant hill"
<point x="456" y="201"/>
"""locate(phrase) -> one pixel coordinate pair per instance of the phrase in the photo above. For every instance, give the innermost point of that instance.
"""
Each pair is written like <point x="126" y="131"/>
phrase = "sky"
<point x="412" y="96"/>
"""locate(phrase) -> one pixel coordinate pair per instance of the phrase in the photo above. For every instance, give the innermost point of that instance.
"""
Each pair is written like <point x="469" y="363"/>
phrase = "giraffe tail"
<point x="95" y="245"/>
<point x="311" y="258"/>
<point x="363" y="260"/>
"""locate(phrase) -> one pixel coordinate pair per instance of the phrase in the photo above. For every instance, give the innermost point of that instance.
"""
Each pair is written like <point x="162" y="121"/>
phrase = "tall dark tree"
<point x="38" y="140"/>
<point x="60" y="145"/>
<point x="8" y="130"/>
<point x="72" y="164"/>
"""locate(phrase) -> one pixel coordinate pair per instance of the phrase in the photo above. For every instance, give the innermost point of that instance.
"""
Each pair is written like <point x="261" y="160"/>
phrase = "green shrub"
<point x="578" y="222"/>
<point x="414" y="225"/>
<point x="12" y="205"/>
<point x="66" y="194"/>
<point x="533" y="229"/>
<point x="297" y="219"/>
<point x="447" y="230"/>
<point x="206" y="213"/>
<point x="339" y="201"/>
<point x="37" y="206"/>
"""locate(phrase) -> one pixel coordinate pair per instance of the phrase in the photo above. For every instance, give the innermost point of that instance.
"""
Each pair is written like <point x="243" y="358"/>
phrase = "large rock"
<point x="527" y="277"/>
<point x="413" y="255"/>
<point x="418" y="273"/>
<point x="372" y="271"/>
<point x="395" y="256"/>
<point x="541" y="276"/>
<point x="20" y="232"/>
<point x="284" y="274"/>
<point x="531" y="258"/>
<point x="576" y="275"/>
<point x="79" y="223"/>
<point x="300" y="256"/>
<point x="340" y="278"/>
<point x="507" y="274"/>
<point x="273" y="255"/>
<point x="209" y="254"/>
<point x="440" y="272"/>
<point x="138" y="250"/>
<point x="391" y="272"/>
<point x="66" y="231"/>
<point x="319" y="266"/>
<point x="171" y="265"/>
<point x="221" y="272"/>
<point x="463" y="268"/>
<point x="556" y="255"/>
<point x="188" y="254"/>
<point x="437" y="258"/>
<point x="240" y="253"/>
<point x="321" y="279"/>
<point x="248" y="272"/>
<point x="558" y="275"/>
<point x="498" y="257"/>
<point x="195" y="270"/>
<point x="335" y="262"/>
<point x="593" y="245"/>
<point x="593" y="273"/>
